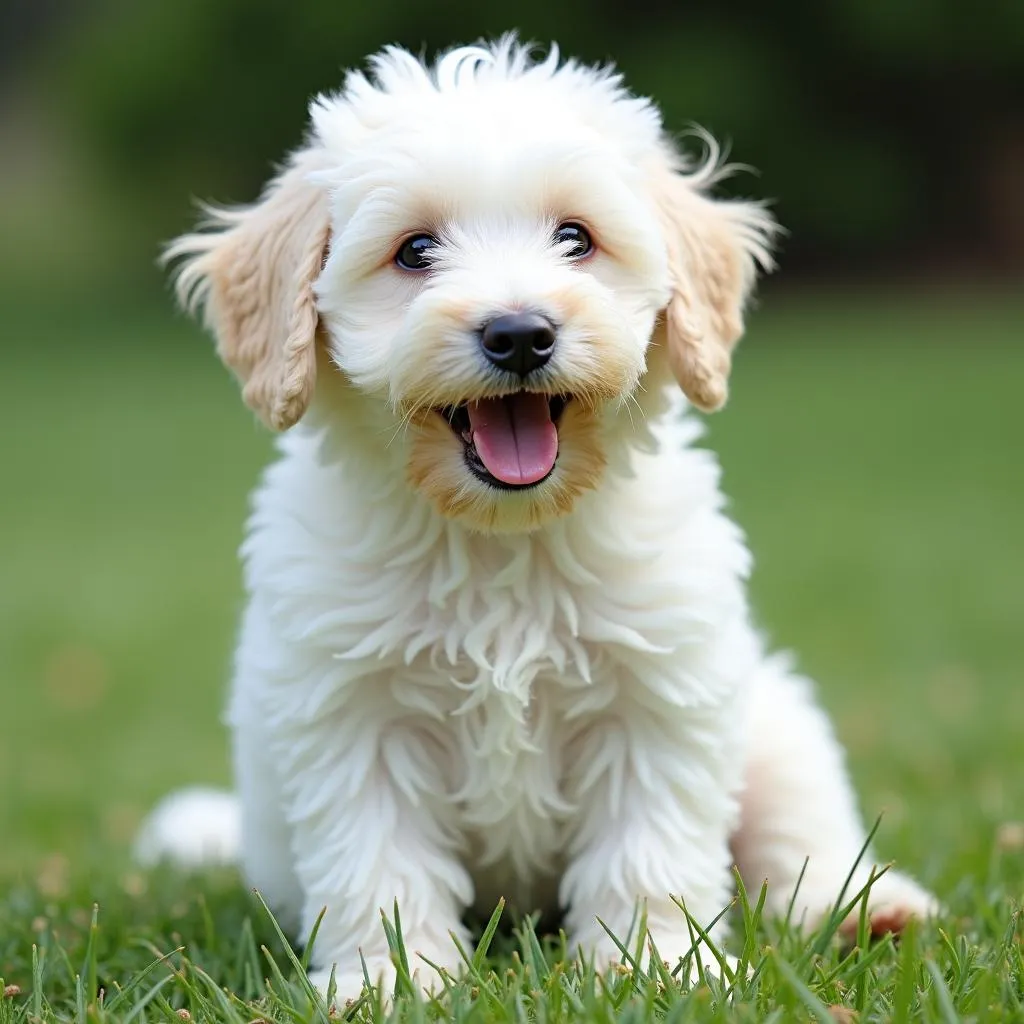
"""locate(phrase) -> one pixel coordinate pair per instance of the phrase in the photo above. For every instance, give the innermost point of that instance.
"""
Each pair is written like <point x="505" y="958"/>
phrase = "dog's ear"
<point x="253" y="270"/>
<point x="715" y="248"/>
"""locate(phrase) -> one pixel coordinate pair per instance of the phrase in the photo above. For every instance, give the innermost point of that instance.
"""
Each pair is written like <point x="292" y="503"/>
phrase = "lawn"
<point x="872" y="450"/>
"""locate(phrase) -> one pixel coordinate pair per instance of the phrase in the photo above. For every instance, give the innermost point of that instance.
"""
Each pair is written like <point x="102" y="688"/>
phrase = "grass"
<point x="872" y="450"/>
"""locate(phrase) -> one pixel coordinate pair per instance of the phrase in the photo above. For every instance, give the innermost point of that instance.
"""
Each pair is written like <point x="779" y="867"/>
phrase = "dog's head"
<point x="499" y="255"/>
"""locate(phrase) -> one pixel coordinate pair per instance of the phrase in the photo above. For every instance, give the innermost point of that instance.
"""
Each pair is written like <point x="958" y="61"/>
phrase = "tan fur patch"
<point x="714" y="249"/>
<point x="254" y="271"/>
<point x="437" y="469"/>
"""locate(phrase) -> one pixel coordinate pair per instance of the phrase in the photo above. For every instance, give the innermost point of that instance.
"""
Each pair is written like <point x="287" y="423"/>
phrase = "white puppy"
<point x="497" y="639"/>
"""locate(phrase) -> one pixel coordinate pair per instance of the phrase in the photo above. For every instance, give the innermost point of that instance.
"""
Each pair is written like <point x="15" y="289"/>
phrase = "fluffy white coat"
<point x="446" y="692"/>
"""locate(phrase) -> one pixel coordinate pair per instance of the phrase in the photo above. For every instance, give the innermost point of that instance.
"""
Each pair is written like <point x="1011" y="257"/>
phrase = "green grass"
<point x="872" y="451"/>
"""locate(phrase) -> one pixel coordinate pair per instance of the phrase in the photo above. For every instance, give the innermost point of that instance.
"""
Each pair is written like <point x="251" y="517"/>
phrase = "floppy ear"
<point x="253" y="270"/>
<point x="715" y="248"/>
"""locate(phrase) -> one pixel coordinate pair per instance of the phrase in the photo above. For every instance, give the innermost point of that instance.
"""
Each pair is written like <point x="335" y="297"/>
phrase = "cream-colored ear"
<point x="253" y="270"/>
<point x="715" y="248"/>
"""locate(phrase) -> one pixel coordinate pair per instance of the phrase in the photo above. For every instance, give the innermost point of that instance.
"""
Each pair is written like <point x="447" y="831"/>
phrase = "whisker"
<point x="403" y="423"/>
<point x="629" y="412"/>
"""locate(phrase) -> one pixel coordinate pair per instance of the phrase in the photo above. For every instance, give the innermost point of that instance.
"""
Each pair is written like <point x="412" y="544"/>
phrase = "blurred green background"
<point x="872" y="447"/>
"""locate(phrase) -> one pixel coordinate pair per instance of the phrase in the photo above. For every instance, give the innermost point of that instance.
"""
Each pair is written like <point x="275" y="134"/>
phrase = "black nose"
<point x="519" y="342"/>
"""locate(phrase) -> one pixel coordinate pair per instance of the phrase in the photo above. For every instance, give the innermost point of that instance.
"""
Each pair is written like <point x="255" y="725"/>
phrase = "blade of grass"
<point x="484" y="944"/>
<point x="946" y="1008"/>
<point x="812" y="1003"/>
<point x="308" y="987"/>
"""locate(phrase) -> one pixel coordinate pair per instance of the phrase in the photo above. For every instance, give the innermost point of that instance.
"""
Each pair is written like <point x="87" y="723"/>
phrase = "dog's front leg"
<point x="370" y="825"/>
<point x="655" y="788"/>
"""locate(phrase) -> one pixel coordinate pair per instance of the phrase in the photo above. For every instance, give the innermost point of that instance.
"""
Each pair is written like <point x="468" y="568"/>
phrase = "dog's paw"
<point x="703" y="964"/>
<point x="894" y="900"/>
<point x="350" y="981"/>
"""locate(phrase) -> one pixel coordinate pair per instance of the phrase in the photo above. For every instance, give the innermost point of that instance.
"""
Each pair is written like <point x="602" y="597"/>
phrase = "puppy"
<point x="497" y="640"/>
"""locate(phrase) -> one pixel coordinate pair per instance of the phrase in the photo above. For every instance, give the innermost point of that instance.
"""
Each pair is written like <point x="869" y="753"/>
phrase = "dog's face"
<point x="495" y="273"/>
<point x="483" y="250"/>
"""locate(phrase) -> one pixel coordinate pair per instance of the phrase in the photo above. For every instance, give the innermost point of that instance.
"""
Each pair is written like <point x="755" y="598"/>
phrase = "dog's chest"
<point x="507" y="762"/>
<point x="500" y="674"/>
<point x="506" y="707"/>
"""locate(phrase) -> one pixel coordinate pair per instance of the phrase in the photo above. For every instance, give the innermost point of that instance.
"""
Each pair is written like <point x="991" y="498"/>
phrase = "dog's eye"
<point x="414" y="254"/>
<point x="575" y="238"/>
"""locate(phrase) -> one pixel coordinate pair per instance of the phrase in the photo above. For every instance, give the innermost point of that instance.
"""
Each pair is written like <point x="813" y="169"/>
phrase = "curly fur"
<point x="445" y="692"/>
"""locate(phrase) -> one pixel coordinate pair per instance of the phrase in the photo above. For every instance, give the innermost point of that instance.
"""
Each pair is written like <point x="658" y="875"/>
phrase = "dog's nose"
<point x="519" y="342"/>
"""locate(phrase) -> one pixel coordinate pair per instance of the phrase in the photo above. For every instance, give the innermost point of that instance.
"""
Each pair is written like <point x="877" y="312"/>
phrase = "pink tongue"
<point x="514" y="437"/>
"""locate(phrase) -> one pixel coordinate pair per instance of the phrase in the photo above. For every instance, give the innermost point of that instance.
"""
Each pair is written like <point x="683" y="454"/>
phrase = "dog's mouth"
<point x="509" y="442"/>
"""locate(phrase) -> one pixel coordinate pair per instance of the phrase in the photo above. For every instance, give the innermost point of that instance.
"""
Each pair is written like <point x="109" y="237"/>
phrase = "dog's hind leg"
<point x="798" y="808"/>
